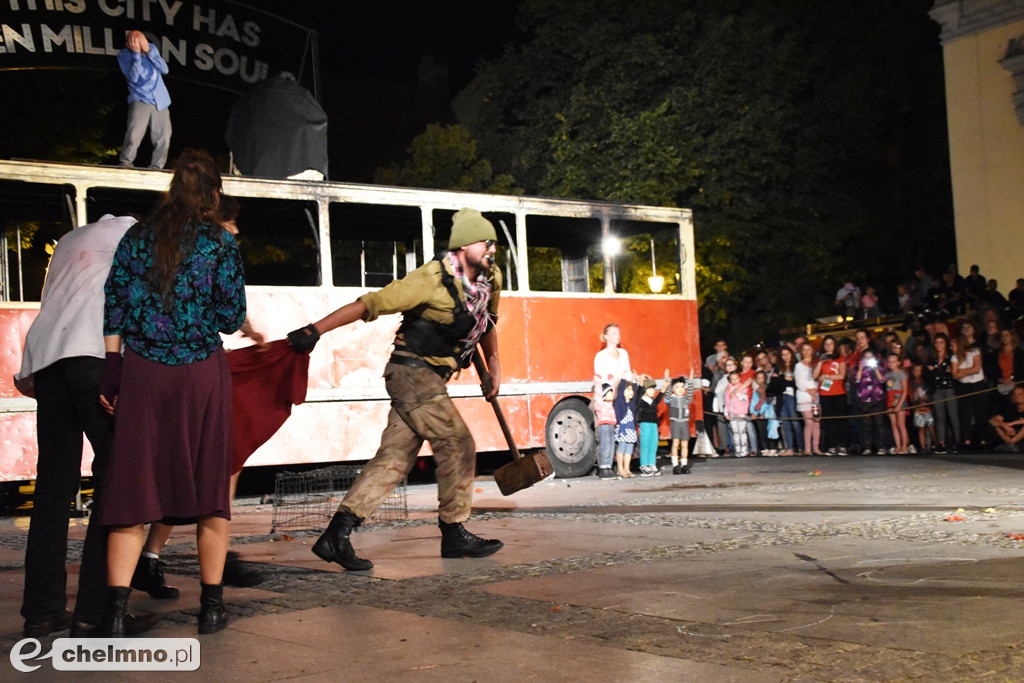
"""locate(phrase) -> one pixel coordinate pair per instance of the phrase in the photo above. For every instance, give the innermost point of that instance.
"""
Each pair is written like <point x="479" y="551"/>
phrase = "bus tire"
<point x="570" y="440"/>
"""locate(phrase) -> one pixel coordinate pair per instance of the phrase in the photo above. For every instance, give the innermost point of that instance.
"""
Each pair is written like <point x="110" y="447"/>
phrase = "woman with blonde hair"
<point x="611" y="366"/>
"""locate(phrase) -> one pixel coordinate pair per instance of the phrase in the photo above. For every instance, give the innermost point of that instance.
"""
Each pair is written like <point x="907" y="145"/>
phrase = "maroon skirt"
<point x="171" y="458"/>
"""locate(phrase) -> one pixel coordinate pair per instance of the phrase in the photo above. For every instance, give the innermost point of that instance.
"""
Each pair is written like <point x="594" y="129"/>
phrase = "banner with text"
<point x="223" y="44"/>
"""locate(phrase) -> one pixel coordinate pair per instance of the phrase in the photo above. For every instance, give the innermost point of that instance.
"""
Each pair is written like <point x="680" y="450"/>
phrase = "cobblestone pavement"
<point x="944" y="530"/>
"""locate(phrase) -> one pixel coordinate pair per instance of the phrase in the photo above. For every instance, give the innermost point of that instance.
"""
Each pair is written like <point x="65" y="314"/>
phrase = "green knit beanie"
<point x="469" y="226"/>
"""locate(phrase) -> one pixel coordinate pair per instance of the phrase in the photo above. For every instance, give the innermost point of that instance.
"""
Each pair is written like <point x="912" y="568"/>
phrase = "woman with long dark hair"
<point x="831" y="376"/>
<point x="792" y="429"/>
<point x="939" y="375"/>
<point x="176" y="284"/>
<point x="970" y="387"/>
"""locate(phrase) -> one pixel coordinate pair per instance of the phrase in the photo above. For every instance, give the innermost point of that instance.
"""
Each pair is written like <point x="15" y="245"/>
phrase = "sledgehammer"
<point x="525" y="470"/>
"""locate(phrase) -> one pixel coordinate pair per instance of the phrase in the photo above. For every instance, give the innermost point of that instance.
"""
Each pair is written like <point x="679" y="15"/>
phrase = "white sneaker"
<point x="911" y="449"/>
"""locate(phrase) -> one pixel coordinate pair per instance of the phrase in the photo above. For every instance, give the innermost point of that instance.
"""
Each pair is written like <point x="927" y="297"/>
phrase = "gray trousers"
<point x="140" y="117"/>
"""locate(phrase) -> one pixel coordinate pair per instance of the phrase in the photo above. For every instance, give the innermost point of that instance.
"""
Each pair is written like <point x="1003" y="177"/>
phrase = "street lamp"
<point x="655" y="281"/>
<point x="610" y="246"/>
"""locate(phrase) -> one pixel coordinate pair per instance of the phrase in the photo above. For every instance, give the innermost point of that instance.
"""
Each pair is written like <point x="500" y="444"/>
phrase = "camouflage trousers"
<point x="420" y="411"/>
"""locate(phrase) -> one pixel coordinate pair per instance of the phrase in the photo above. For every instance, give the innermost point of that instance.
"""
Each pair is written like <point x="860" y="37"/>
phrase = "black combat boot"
<point x="115" y="613"/>
<point x="457" y="542"/>
<point x="149" y="577"/>
<point x="334" y="545"/>
<point x="212" y="616"/>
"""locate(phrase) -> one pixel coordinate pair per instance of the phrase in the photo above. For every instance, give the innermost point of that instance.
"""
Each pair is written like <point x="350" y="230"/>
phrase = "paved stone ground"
<point x="832" y="569"/>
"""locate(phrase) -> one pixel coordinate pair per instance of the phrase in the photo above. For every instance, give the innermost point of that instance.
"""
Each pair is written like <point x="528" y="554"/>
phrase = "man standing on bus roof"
<point x="450" y="306"/>
<point x="148" y="100"/>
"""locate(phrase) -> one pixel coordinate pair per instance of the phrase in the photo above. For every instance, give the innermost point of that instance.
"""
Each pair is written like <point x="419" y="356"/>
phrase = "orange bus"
<point x="311" y="246"/>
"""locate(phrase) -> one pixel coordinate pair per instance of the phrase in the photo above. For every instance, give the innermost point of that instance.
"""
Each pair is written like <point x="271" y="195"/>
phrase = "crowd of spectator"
<point x="948" y="377"/>
<point x="948" y="295"/>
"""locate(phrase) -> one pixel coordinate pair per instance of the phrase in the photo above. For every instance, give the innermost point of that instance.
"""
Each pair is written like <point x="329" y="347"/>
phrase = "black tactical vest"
<point x="427" y="338"/>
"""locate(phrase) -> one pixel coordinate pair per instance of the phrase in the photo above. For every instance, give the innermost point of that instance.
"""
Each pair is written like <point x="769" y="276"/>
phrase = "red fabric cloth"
<point x="265" y="383"/>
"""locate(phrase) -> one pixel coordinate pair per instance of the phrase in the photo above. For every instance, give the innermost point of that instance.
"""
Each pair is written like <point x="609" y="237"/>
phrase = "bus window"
<point x="648" y="260"/>
<point x="373" y="244"/>
<point x="504" y="226"/>
<point x="100" y="201"/>
<point x="561" y="250"/>
<point x="279" y="242"/>
<point x="277" y="237"/>
<point x="33" y="216"/>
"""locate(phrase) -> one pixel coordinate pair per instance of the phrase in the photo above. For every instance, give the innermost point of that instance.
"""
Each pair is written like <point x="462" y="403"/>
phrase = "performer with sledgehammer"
<point x="450" y="306"/>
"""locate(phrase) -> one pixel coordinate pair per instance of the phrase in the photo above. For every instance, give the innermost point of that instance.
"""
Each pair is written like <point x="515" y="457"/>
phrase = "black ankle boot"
<point x="115" y="613"/>
<point x="149" y="577"/>
<point x="212" y="616"/>
<point x="334" y="545"/>
<point x="457" y="542"/>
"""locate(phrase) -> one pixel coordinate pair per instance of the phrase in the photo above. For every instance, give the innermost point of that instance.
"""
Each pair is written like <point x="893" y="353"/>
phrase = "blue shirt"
<point x="143" y="71"/>
<point x="209" y="297"/>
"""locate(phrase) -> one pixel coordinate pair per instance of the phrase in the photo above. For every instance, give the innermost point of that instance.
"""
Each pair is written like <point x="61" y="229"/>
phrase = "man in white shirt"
<point x="62" y="365"/>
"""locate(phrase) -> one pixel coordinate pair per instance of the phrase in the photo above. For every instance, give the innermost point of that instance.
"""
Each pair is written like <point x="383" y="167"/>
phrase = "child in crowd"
<point x="762" y="412"/>
<point x="737" y="412"/>
<point x="647" y="418"/>
<point x="625" y="426"/>
<point x="896" y="402"/>
<point x="604" y="416"/>
<point x="678" y="400"/>
<point x="923" y="418"/>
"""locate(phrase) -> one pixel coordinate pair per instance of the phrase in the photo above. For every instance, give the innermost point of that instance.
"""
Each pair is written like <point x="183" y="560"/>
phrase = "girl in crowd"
<point x="176" y="284"/>
<point x="737" y="412"/>
<point x="939" y="375"/>
<point x="807" y="399"/>
<point x="831" y="376"/>
<point x="917" y="388"/>
<point x="762" y="413"/>
<point x="625" y="429"/>
<point x="969" y="388"/>
<point x="792" y="431"/>
<point x="896" y="402"/>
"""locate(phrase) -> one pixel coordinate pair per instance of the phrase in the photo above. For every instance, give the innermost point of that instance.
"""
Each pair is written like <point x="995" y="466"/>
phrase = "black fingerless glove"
<point x="699" y="424"/>
<point x="110" y="385"/>
<point x="304" y="339"/>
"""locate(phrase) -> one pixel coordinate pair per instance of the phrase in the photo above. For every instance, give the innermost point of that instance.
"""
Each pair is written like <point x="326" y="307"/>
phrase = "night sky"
<point x="370" y="54"/>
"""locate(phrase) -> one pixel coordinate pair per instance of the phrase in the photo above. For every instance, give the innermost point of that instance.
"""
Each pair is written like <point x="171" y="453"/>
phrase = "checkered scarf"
<point x="478" y="298"/>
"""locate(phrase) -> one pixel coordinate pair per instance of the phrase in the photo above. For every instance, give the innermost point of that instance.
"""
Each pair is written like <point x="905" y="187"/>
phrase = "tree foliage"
<point x="785" y="124"/>
<point x="445" y="157"/>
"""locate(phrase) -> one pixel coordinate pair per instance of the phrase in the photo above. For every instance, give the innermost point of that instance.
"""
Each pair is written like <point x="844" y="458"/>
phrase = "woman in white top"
<point x="611" y="363"/>
<point x="807" y="399"/>
<point x="965" y="366"/>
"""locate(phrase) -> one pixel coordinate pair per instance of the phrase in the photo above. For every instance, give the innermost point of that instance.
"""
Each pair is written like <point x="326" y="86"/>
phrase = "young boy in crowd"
<point x="647" y="418"/>
<point x="678" y="400"/>
<point x="737" y="412"/>
<point x="604" y="416"/>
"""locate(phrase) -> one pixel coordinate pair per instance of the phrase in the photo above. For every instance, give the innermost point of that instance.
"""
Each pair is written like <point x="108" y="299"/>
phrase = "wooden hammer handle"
<point x="485" y="386"/>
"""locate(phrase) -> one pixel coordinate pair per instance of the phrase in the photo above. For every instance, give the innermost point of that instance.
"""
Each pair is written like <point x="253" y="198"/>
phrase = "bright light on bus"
<point x="657" y="283"/>
<point x="611" y="245"/>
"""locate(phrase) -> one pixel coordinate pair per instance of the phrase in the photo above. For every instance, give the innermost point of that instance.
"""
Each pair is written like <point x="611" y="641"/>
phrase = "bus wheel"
<point x="569" y="438"/>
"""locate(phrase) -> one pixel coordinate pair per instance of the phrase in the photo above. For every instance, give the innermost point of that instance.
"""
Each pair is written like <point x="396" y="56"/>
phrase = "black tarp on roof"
<point x="276" y="129"/>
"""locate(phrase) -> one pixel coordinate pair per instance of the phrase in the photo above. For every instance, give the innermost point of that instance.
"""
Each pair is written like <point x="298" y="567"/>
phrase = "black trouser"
<point x="971" y="401"/>
<point x="67" y="395"/>
<point x="833" y="431"/>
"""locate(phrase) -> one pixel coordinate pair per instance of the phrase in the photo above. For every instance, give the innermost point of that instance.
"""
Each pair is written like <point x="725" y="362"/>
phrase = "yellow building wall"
<point x="986" y="155"/>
